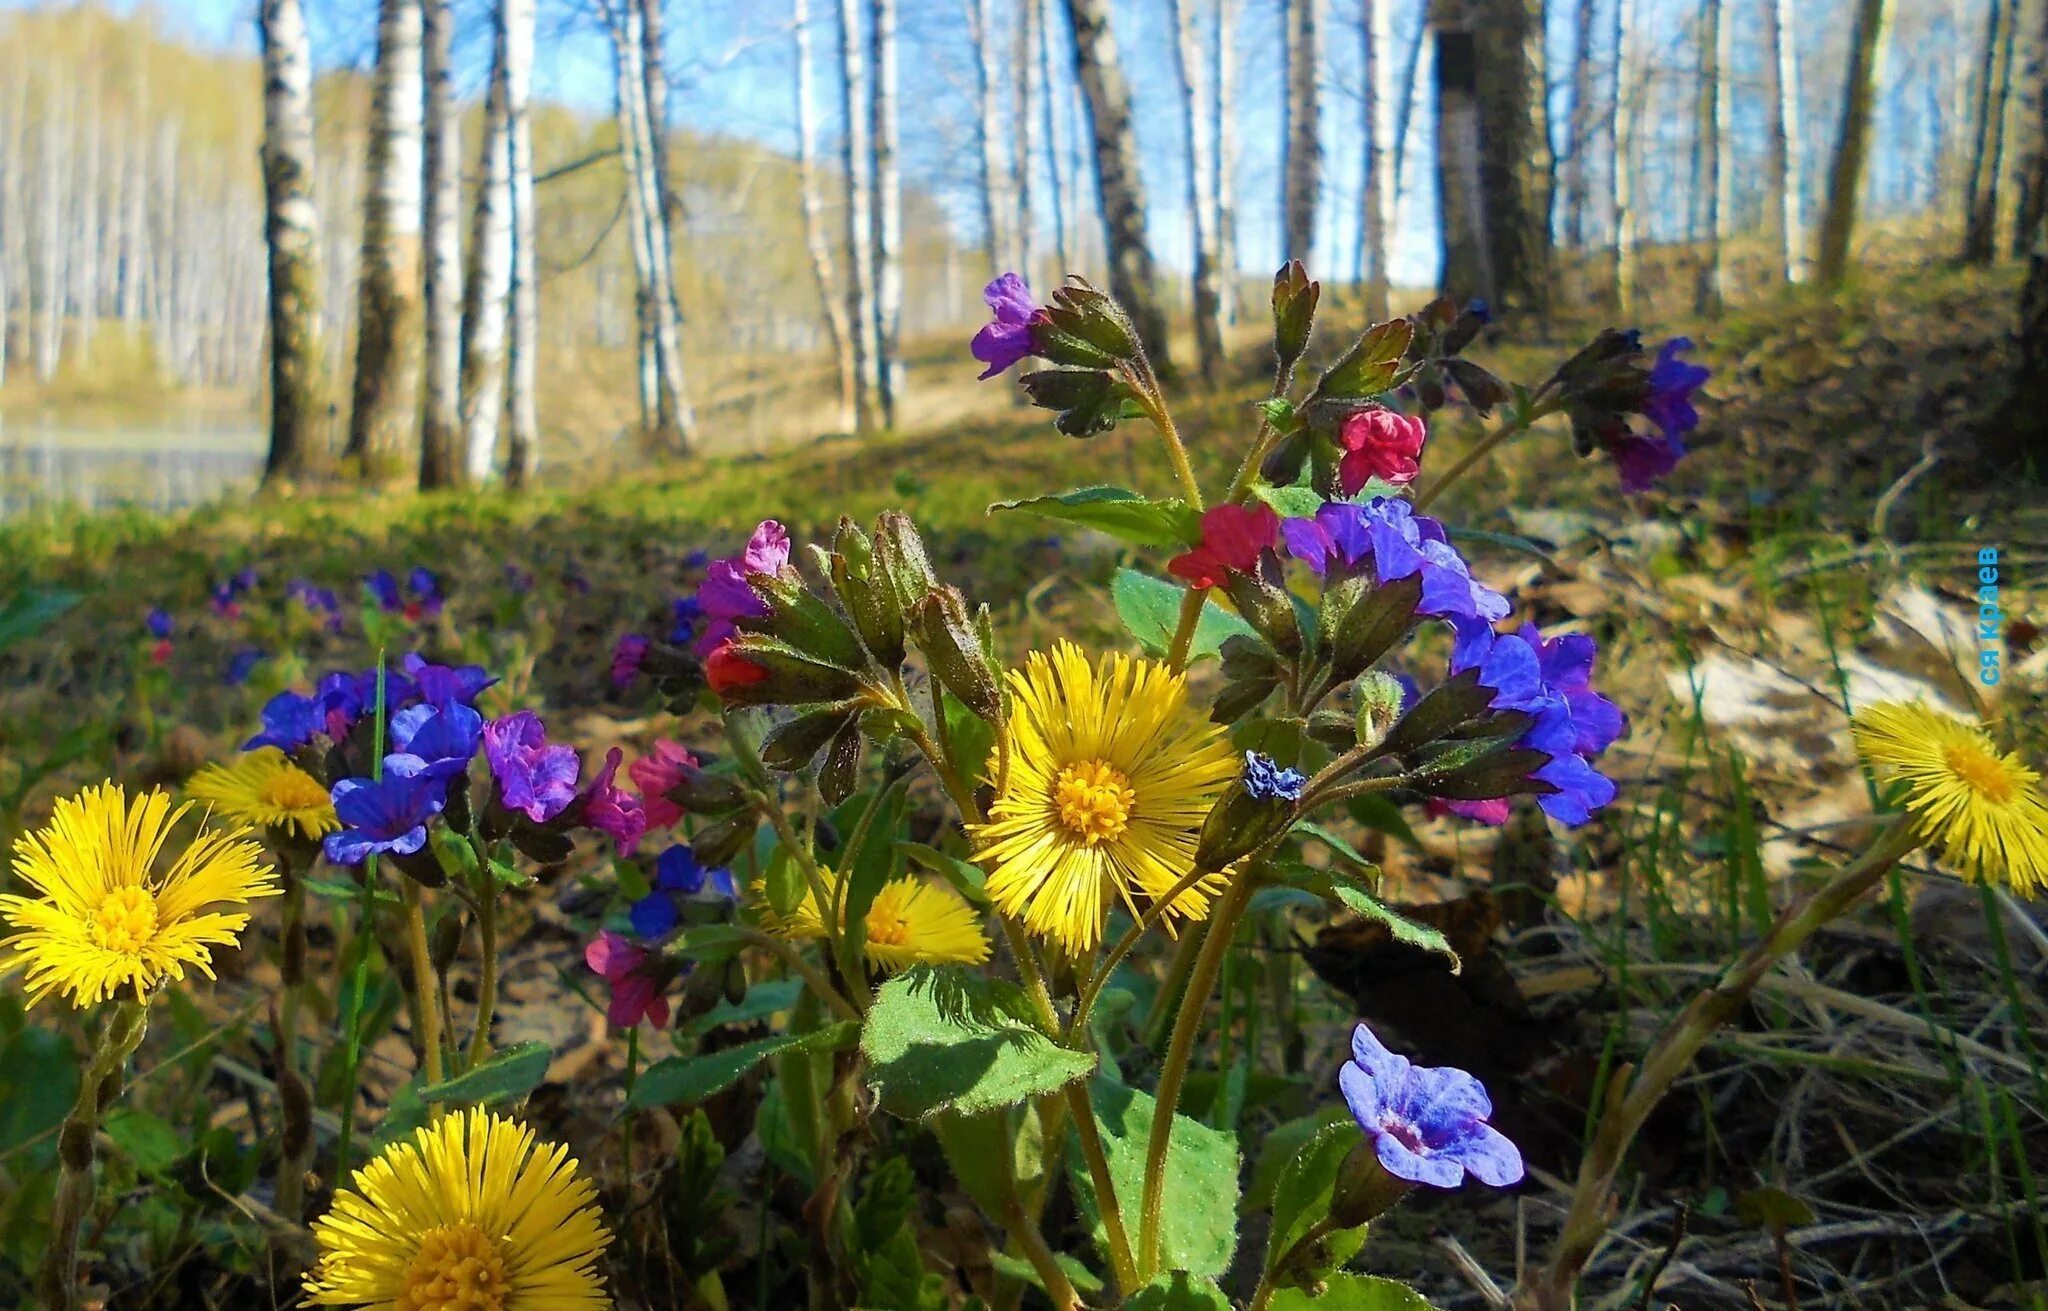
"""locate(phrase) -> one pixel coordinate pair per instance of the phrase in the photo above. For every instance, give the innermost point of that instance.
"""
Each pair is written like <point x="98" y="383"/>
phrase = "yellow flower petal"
<point x="263" y="788"/>
<point x="1984" y="809"/>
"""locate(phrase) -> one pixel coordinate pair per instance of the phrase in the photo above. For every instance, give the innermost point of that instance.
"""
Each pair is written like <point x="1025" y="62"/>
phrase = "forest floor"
<point x="1819" y="550"/>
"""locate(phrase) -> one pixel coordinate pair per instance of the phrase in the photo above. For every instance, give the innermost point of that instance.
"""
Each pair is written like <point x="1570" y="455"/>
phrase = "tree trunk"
<point x="1302" y="166"/>
<point x="1188" y="67"/>
<point x="1621" y="174"/>
<point x="858" y="162"/>
<point x="812" y="205"/>
<point x="1994" y="83"/>
<point x="1223" y="182"/>
<point x="2027" y="135"/>
<point x="441" y="405"/>
<point x="888" y="180"/>
<point x="1100" y="73"/>
<point x="1492" y="155"/>
<point x="1058" y="195"/>
<point x="2020" y="434"/>
<point x="385" y="403"/>
<point x="995" y="205"/>
<point x="1375" y="126"/>
<point x="522" y="356"/>
<point x="1786" y="150"/>
<point x="290" y="238"/>
<point x="1577" y="182"/>
<point x="486" y="296"/>
<point x="1852" y="142"/>
<point x="1023" y="65"/>
<point x="1711" y="294"/>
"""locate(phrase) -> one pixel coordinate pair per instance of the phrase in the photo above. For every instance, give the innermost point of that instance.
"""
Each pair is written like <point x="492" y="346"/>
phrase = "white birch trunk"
<point x="292" y="239"/>
<point x="1376" y="116"/>
<point x="385" y="409"/>
<point x="441" y="376"/>
<point x="888" y="216"/>
<point x="859" y="213"/>
<point x="1223" y="183"/>
<point x="995" y="203"/>
<point x="486" y="299"/>
<point x="522" y="405"/>
<point x="1189" y="71"/>
<point x="816" y="243"/>
<point x="1786" y="150"/>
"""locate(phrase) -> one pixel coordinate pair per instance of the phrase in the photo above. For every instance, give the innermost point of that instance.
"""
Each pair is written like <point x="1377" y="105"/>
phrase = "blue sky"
<point x="730" y="61"/>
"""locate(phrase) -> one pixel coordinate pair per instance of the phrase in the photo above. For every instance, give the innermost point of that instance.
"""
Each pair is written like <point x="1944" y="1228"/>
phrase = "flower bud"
<point x="1268" y="609"/>
<point x="906" y="569"/>
<point x="870" y="601"/>
<point x="1377" y="697"/>
<point x="1294" y="311"/>
<point x="841" y="768"/>
<point x="1082" y="311"/>
<point x="793" y="745"/>
<point x="717" y="843"/>
<point x="702" y="793"/>
<point x="761" y="671"/>
<point x="952" y="647"/>
<point x="1364" y="1190"/>
<point x="1361" y="622"/>
<point x="806" y="623"/>
<point x="1249" y="813"/>
<point x="1088" y="400"/>
<point x="447" y="941"/>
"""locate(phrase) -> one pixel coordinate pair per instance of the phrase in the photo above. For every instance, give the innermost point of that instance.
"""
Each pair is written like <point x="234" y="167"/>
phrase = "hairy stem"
<point x="804" y="970"/>
<point x="487" y="980"/>
<point x="422" y="971"/>
<point x="1122" y="1264"/>
<point x="58" y="1285"/>
<point x="295" y="1108"/>
<point x="1025" y="1234"/>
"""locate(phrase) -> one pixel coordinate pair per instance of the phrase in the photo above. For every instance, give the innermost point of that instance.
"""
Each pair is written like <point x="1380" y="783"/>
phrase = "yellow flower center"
<point x="293" y="789"/>
<point x="1987" y="775"/>
<point x="1095" y="801"/>
<point x="457" y="1269"/>
<point x="888" y="930"/>
<point x="124" y="922"/>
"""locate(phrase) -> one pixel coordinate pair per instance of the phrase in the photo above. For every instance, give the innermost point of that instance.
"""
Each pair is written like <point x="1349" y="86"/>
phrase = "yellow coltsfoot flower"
<point x="1981" y="807"/>
<point x="912" y="922"/>
<point x="103" y="921"/>
<point x="263" y="788"/>
<point x="470" y="1214"/>
<point x="1111" y="774"/>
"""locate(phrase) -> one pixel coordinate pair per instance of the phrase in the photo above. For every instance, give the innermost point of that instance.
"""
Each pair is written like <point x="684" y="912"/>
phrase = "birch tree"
<point x="1301" y="170"/>
<point x="385" y="401"/>
<point x="1994" y="83"/>
<point x="2027" y="135"/>
<point x="487" y="288"/>
<point x="858" y="164"/>
<point x="816" y="244"/>
<point x="1621" y="155"/>
<point x="1059" y="196"/>
<point x="888" y="180"/>
<point x="1852" y="141"/>
<point x="1576" y="202"/>
<point x="1375" y="126"/>
<point x="1099" y="71"/>
<point x="1710" y="294"/>
<point x="1189" y="69"/>
<point x="441" y="399"/>
<point x="1786" y="150"/>
<point x="290" y="238"/>
<point x="522" y="356"/>
<point x="1223" y="181"/>
<point x="1492" y="154"/>
<point x="1025" y="93"/>
<point x="994" y="177"/>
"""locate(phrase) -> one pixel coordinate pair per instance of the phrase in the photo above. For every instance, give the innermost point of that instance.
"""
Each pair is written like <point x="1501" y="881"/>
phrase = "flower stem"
<point x="487" y="981"/>
<point x="58" y="1285"/>
<point x="1515" y="422"/>
<point x="422" y="971"/>
<point x="1154" y="405"/>
<point x="1222" y="928"/>
<point x="1122" y="1264"/>
<point x="813" y="980"/>
<point x="295" y="1109"/>
<point x="1634" y="1094"/>
<point x="1315" y="1233"/>
<point x="1025" y="1234"/>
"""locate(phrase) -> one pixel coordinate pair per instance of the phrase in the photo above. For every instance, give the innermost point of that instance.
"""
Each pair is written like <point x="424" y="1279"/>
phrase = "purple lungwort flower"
<point x="158" y="621"/>
<point x="446" y="684"/>
<point x="1006" y="339"/>
<point x="1427" y="1124"/>
<point x="1547" y="680"/>
<point x="320" y="600"/>
<point x="676" y="874"/>
<point x="1387" y="534"/>
<point x="626" y="658"/>
<point x="241" y="665"/>
<point x="383" y="589"/>
<point x="442" y="738"/>
<point x="535" y="779"/>
<point x="1668" y="403"/>
<point x="724" y="596"/>
<point x="684" y="612"/>
<point x="612" y="810"/>
<point x="1266" y="780"/>
<point x="385" y="815"/>
<point x="519" y="580"/>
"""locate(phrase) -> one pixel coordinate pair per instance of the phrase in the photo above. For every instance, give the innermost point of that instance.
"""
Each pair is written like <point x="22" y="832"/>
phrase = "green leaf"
<point x="764" y="999"/>
<point x="1382" y="816"/>
<point x="1343" y="850"/>
<point x="694" y="1078"/>
<point x="1368" y="368"/>
<point x="1296" y="502"/>
<point x="1119" y="512"/>
<point x="25" y="614"/>
<point x="940" y="1040"/>
<point x="150" y="1144"/>
<point x="1278" y="1148"/>
<point x="966" y="877"/>
<point x="1302" y="1196"/>
<point x="506" y="1076"/>
<point x="344" y="891"/>
<point x="1085" y="1281"/>
<point x="980" y="1149"/>
<point x="1198" y="1224"/>
<point x="1352" y="1293"/>
<point x="868" y="863"/>
<point x="1178" y="1291"/>
<point x="1366" y="906"/>
<point x="1150" y="610"/>
<point x="972" y="738"/>
<point x="708" y="944"/>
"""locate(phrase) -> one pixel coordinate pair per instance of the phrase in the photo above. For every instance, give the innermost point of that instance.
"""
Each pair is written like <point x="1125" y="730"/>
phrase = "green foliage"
<point x="1123" y="514"/>
<point x="1178" y="1291"/>
<point x="685" y="1079"/>
<point x="1352" y="1293"/>
<point x="1150" y="610"/>
<point x="1198" y="1231"/>
<point x="26" y="613"/>
<point x="503" y="1077"/>
<point x="886" y="1262"/>
<point x="945" y="1039"/>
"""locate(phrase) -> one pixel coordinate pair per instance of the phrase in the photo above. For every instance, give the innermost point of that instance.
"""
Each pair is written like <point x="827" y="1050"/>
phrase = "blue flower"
<point x="158" y="621"/>
<point x="1266" y="780"/>
<point x="383" y="589"/>
<point x="385" y="815"/>
<point x="1397" y="543"/>
<point x="1548" y="681"/>
<point x="241" y="665"/>
<point x="685" y="612"/>
<point x="290" y="719"/>
<point x="445" y="684"/>
<point x="676" y="873"/>
<point x="1427" y="1124"/>
<point x="442" y="738"/>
